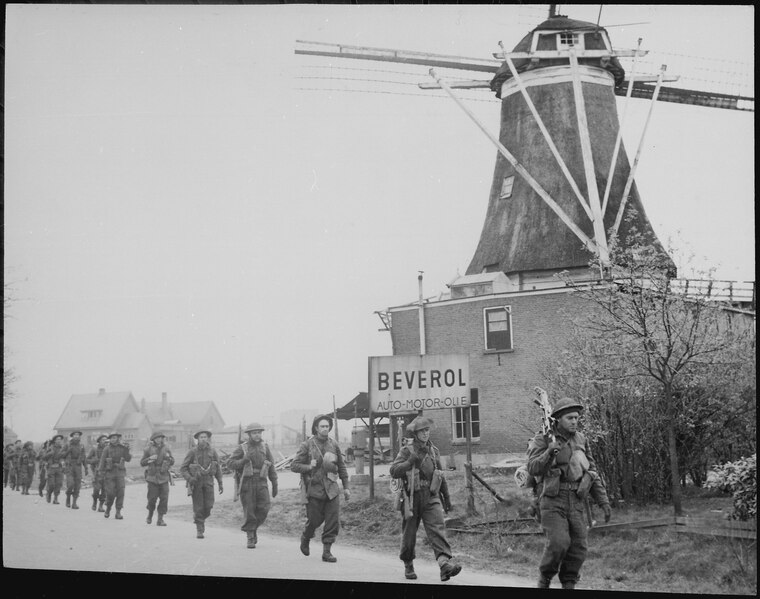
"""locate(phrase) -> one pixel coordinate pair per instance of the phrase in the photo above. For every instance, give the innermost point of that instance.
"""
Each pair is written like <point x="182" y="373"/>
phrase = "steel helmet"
<point x="566" y="404"/>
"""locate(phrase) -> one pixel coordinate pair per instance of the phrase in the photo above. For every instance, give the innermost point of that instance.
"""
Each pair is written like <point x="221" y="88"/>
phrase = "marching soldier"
<point x="74" y="455"/>
<point x="254" y="463"/>
<point x="200" y="467"/>
<point x="419" y="465"/>
<point x="98" y="480"/>
<point x="566" y="474"/>
<point x="42" y="468"/>
<point x="157" y="458"/>
<point x="320" y="464"/>
<point x="113" y="465"/>
<point x="54" y="463"/>
<point x="7" y="453"/>
<point x="26" y="467"/>
<point x="14" y="460"/>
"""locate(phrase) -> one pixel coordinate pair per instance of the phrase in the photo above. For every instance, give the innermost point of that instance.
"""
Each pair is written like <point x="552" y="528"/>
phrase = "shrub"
<point x="740" y="479"/>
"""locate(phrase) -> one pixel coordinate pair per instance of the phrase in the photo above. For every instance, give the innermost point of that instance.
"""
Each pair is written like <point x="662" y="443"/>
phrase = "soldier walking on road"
<point x="113" y="465"/>
<point x="7" y="454"/>
<point x="320" y="464"/>
<point x="54" y="467"/>
<point x="98" y="481"/>
<point x="26" y="467"/>
<point x="565" y="472"/>
<point x="42" y="468"/>
<point x="157" y="458"/>
<point x="14" y="461"/>
<point x="418" y="464"/>
<point x="200" y="467"/>
<point x="74" y="455"/>
<point x="253" y="463"/>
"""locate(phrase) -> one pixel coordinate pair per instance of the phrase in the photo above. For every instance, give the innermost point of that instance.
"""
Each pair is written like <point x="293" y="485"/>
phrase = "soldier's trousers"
<point x="73" y="481"/>
<point x="43" y="480"/>
<point x="98" y="488"/>
<point x="563" y="519"/>
<point x="428" y="510"/>
<point x="203" y="501"/>
<point x="254" y="497"/>
<point x="6" y="476"/>
<point x="114" y="491"/>
<point x="320" y="510"/>
<point x="13" y="477"/>
<point x="27" y="476"/>
<point x="158" y="492"/>
<point x="54" y="481"/>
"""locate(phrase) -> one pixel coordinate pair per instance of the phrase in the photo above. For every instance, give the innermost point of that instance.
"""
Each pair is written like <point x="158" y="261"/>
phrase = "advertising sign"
<point x="410" y="383"/>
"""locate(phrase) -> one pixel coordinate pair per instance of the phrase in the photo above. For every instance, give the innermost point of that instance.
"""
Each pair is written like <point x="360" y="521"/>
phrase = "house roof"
<point x="110" y="406"/>
<point x="185" y="412"/>
<point x="131" y="420"/>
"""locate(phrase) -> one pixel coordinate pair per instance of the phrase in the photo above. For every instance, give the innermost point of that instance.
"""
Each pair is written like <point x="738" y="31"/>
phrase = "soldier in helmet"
<point x="113" y="466"/>
<point x="157" y="459"/>
<point x="7" y="454"/>
<point x="200" y="467"/>
<point x="54" y="464"/>
<point x="98" y="481"/>
<point x="74" y="456"/>
<point x="320" y="464"/>
<point x="418" y="464"/>
<point x="42" y="470"/>
<point x="26" y="467"/>
<point x="565" y="471"/>
<point x="254" y="464"/>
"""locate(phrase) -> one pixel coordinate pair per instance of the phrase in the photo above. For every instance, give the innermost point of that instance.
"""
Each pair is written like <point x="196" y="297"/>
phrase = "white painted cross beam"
<point x="418" y="382"/>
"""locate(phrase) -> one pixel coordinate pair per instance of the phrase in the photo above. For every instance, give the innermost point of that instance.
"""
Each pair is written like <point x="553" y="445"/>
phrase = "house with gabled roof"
<point x="101" y="413"/>
<point x="181" y="420"/>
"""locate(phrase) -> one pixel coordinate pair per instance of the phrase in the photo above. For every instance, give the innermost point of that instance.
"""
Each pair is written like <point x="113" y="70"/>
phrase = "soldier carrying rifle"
<point x="112" y="465"/>
<point x="200" y="467"/>
<point x="254" y="464"/>
<point x="560" y="461"/>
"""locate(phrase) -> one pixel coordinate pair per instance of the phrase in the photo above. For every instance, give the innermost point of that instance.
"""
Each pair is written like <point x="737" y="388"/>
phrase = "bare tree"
<point x="640" y="328"/>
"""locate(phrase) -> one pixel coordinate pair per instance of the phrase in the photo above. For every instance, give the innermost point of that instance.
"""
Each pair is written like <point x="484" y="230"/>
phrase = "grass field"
<point x="643" y="560"/>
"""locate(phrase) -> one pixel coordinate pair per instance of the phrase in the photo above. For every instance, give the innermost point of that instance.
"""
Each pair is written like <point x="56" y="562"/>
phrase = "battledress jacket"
<point x="318" y="482"/>
<point x="113" y="460"/>
<point x="259" y="453"/>
<point x="93" y="459"/>
<point x="157" y="471"/>
<point x="75" y="455"/>
<point x="201" y="466"/>
<point x="572" y="462"/>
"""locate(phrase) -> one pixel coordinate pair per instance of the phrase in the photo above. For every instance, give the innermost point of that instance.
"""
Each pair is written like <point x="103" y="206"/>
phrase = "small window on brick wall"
<point x="506" y="187"/>
<point x="497" y="325"/>
<point x="459" y="419"/>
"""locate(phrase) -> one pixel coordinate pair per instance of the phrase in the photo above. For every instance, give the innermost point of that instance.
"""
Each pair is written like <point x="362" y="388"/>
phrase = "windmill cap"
<point x="565" y="405"/>
<point x="254" y="426"/>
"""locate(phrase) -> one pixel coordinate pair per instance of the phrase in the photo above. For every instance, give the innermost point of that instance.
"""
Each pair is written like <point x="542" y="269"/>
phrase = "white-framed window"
<point x="458" y="419"/>
<point x="91" y="414"/>
<point x="567" y="39"/>
<point x="506" y="187"/>
<point x="497" y="328"/>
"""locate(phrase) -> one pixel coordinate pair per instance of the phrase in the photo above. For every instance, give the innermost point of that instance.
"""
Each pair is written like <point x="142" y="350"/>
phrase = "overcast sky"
<point x="192" y="208"/>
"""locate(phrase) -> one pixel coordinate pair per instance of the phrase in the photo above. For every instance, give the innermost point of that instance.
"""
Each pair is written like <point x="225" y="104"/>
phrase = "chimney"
<point x="102" y="391"/>
<point x="164" y="403"/>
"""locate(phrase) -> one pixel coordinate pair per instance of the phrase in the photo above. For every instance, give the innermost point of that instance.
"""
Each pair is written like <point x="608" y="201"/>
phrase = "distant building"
<point x="9" y="436"/>
<point x="181" y="420"/>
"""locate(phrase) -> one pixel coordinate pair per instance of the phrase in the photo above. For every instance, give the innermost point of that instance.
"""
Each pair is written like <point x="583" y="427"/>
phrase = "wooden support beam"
<point x="565" y="53"/>
<point x="600" y="236"/>
<point x="493" y="491"/>
<point x="590" y="245"/>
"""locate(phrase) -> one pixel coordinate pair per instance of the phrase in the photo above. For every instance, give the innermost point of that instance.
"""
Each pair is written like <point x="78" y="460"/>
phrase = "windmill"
<point x="563" y="180"/>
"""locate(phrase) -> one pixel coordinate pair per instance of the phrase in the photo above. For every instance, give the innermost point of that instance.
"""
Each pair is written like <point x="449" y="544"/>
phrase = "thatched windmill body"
<point x="563" y="182"/>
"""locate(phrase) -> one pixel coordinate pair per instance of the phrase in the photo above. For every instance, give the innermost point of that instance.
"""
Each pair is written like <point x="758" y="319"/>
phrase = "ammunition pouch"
<point x="585" y="485"/>
<point x="435" y="483"/>
<point x="551" y="483"/>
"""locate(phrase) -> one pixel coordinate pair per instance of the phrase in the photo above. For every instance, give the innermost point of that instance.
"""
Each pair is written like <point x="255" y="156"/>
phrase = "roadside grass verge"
<point x="645" y="560"/>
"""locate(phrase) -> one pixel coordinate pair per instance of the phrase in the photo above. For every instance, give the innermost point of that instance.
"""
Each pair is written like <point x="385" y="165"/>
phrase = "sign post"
<point x="399" y="384"/>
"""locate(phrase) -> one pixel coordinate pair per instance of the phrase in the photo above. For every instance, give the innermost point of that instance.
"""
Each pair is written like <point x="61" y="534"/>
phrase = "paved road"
<point x="41" y="535"/>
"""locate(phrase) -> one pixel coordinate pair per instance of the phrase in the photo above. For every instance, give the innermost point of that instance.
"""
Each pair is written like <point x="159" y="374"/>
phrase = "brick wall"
<point x="508" y="417"/>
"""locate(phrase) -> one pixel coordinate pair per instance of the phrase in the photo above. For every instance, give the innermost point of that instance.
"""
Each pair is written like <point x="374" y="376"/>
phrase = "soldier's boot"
<point x="94" y="503"/>
<point x="251" y="539"/>
<point x="199" y="530"/>
<point x="68" y="500"/>
<point x="160" y="521"/>
<point x="304" y="545"/>
<point x="48" y="496"/>
<point x="409" y="571"/>
<point x="568" y="584"/>
<point x="149" y="519"/>
<point x="100" y="506"/>
<point x="118" y="515"/>
<point x="449" y="568"/>
<point x="108" y="512"/>
<point x="55" y="498"/>
<point x="40" y="492"/>
<point x="544" y="583"/>
<point x="74" y="505"/>
<point x="326" y="555"/>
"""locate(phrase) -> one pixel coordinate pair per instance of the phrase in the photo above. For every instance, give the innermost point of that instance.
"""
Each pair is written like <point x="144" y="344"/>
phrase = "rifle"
<point x="236" y="476"/>
<point x="547" y="422"/>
